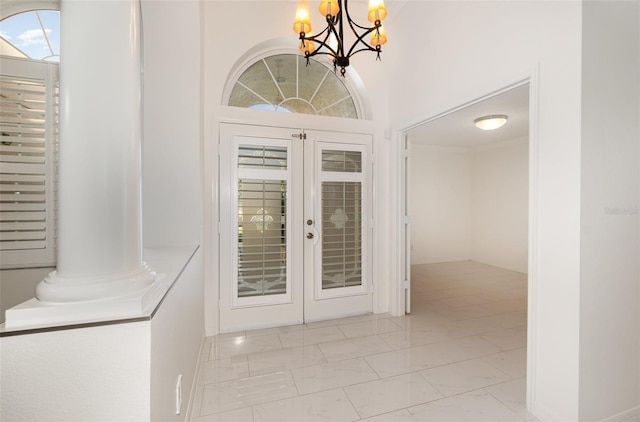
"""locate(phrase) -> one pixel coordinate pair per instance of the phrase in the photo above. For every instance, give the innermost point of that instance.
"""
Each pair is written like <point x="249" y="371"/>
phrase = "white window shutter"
<point x="28" y="140"/>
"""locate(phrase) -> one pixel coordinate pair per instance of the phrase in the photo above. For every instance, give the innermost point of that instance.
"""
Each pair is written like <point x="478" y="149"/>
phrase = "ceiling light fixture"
<point x="491" y="122"/>
<point x="331" y="40"/>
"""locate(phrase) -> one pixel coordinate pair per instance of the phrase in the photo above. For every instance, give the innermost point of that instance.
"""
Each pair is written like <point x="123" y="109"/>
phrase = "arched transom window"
<point x="284" y="82"/>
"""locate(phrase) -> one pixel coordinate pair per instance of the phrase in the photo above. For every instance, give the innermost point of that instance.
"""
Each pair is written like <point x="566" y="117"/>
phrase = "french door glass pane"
<point x="262" y="248"/>
<point x="342" y="161"/>
<point x="263" y="157"/>
<point x="341" y="234"/>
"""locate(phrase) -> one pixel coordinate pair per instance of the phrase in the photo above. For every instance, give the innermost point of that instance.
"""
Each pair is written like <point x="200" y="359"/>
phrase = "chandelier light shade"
<point x="331" y="40"/>
<point x="491" y="122"/>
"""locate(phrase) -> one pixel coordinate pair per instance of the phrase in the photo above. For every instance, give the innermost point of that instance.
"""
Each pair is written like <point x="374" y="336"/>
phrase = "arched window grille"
<point x="284" y="82"/>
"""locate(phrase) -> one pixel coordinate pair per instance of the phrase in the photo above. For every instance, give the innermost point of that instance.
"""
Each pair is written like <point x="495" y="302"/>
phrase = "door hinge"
<point x="407" y="219"/>
<point x="406" y="153"/>
<point x="406" y="284"/>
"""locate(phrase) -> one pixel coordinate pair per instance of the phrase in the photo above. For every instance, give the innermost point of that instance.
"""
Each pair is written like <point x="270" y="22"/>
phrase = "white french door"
<point x="338" y="206"/>
<point x="295" y="226"/>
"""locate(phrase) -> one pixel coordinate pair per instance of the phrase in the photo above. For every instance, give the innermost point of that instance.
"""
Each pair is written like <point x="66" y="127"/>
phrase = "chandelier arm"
<point x="340" y="33"/>
<point x="364" y="49"/>
<point x="360" y="39"/>
<point x="353" y="23"/>
<point x="322" y="43"/>
<point x="326" y="33"/>
<point x="317" y="53"/>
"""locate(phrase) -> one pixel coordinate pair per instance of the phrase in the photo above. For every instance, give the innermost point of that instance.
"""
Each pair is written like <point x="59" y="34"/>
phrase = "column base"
<point x="34" y="313"/>
<point x="57" y="290"/>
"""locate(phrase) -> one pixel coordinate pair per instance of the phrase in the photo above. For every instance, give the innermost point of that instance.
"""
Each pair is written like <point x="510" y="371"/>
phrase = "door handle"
<point x="313" y="234"/>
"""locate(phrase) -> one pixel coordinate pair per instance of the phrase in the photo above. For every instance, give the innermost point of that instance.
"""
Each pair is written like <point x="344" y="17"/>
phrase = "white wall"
<point x="470" y="204"/>
<point x="17" y="286"/>
<point x="499" y="205"/>
<point x="440" y="184"/>
<point x="89" y="374"/>
<point x="172" y="161"/>
<point x="173" y="190"/>
<point x="117" y="371"/>
<point x="177" y="331"/>
<point x="609" y="327"/>
<point x="454" y="66"/>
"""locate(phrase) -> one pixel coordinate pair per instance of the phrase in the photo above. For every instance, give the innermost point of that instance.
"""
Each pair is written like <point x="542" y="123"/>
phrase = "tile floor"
<point x="459" y="356"/>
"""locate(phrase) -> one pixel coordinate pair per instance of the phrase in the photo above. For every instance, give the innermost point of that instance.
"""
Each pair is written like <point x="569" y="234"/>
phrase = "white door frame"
<point x="357" y="299"/>
<point x="398" y="294"/>
<point x="211" y="187"/>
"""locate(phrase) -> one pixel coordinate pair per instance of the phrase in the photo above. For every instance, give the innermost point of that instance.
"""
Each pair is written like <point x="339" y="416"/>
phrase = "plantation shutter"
<point x="263" y="242"/>
<point x="342" y="222"/>
<point x="28" y="135"/>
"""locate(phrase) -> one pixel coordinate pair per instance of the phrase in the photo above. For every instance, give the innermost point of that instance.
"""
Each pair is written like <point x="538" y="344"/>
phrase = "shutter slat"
<point x="21" y="140"/>
<point x="17" y="168"/>
<point x="24" y="111"/>
<point x="23" y="235"/>
<point x="24" y="121"/>
<point x="21" y="149"/>
<point x="22" y="216"/>
<point x="19" y="110"/>
<point x="17" y="178"/>
<point x="22" y="206"/>
<point x="24" y="90"/>
<point x="23" y="225"/>
<point x="13" y="187"/>
<point x="33" y="100"/>
<point x="22" y="129"/>
<point x="34" y="103"/>
<point x="22" y="197"/>
<point x="23" y="245"/>
<point x="22" y="159"/>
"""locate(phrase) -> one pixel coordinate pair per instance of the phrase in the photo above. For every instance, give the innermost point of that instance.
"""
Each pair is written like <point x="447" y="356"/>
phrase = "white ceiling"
<point x="458" y="130"/>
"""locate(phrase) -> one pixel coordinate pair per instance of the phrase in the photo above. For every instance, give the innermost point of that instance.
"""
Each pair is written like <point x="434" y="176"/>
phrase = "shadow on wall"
<point x="17" y="286"/>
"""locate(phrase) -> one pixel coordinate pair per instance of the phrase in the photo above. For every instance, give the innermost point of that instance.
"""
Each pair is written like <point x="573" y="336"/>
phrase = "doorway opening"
<point x="466" y="227"/>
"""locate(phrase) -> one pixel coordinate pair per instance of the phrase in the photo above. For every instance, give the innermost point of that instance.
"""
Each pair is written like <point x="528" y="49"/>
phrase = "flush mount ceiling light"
<point x="491" y="122"/>
<point x="331" y="40"/>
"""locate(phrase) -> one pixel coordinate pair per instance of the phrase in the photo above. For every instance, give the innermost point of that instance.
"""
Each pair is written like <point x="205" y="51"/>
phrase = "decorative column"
<point x="99" y="195"/>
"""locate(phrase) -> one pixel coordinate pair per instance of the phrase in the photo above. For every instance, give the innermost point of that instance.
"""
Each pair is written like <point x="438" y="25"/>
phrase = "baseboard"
<point x="543" y="414"/>
<point x="631" y="415"/>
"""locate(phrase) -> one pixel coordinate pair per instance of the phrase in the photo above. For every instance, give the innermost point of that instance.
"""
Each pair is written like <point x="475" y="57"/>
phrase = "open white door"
<point x="406" y="223"/>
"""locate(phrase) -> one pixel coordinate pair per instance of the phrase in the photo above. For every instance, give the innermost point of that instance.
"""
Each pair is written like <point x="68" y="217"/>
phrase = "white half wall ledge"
<point x="36" y="316"/>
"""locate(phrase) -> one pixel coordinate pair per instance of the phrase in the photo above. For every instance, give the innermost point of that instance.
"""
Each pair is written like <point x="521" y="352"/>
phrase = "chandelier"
<point x="331" y="40"/>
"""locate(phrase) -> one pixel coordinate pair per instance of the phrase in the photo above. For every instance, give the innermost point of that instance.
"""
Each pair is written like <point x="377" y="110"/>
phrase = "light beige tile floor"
<point x="459" y="356"/>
